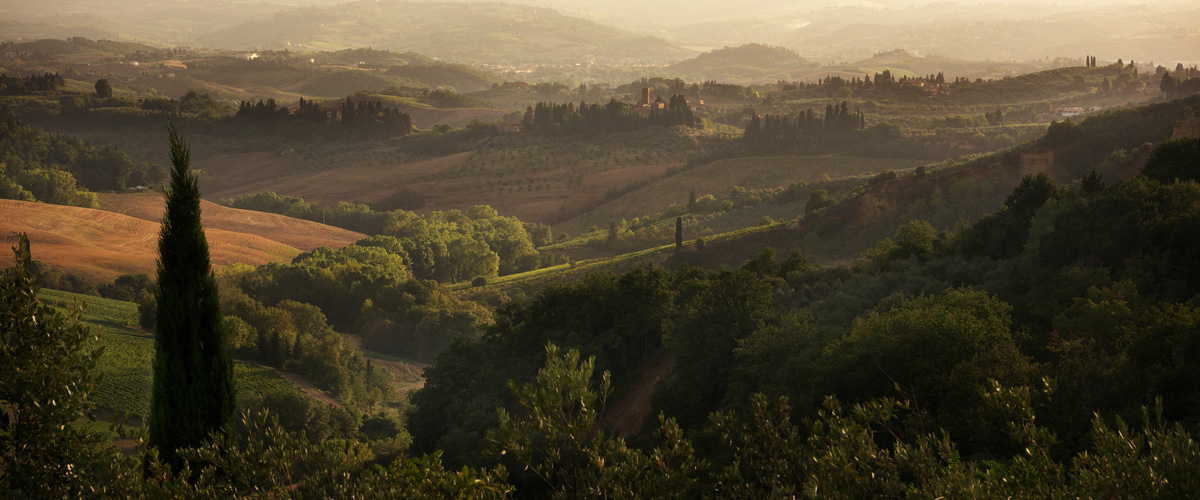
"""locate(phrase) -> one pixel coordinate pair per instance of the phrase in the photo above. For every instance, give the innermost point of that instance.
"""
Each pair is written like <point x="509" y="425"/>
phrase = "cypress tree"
<point x="678" y="234"/>
<point x="193" y="393"/>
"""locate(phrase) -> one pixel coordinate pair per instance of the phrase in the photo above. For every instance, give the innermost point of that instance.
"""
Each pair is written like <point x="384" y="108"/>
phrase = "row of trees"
<point x="551" y="118"/>
<point x="21" y="85"/>
<point x="1179" y="87"/>
<point x="363" y="114"/>
<point x="780" y="131"/>
<point x="37" y="166"/>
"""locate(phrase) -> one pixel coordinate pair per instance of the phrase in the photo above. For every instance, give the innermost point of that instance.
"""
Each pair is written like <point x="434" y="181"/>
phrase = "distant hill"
<point x="752" y="62"/>
<point x="997" y="32"/>
<point x="436" y="74"/>
<point x="484" y="32"/>
<point x="760" y="63"/>
<point x="901" y="62"/>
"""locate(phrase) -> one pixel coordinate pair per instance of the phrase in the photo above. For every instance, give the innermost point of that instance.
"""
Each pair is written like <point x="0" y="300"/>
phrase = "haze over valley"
<point x="573" y="249"/>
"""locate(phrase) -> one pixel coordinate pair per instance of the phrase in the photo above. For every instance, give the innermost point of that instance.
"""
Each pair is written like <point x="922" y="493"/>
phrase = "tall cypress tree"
<point x="678" y="234"/>
<point x="193" y="370"/>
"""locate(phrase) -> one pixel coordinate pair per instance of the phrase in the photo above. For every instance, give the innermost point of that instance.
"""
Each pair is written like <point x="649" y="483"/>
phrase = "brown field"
<point x="100" y="245"/>
<point x="458" y="117"/>
<point x="233" y="175"/>
<point x="716" y="178"/>
<point x="301" y="234"/>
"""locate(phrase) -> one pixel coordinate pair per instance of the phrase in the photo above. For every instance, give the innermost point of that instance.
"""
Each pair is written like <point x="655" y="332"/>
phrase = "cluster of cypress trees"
<point x="362" y="114"/>
<point x="549" y="118"/>
<point x="782" y="130"/>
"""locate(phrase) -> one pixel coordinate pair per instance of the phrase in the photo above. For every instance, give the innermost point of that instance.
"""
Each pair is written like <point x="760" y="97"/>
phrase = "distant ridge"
<point x="750" y="62"/>
<point x="496" y="33"/>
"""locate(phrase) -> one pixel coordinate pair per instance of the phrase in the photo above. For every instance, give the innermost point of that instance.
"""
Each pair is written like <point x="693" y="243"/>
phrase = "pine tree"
<point x="193" y="392"/>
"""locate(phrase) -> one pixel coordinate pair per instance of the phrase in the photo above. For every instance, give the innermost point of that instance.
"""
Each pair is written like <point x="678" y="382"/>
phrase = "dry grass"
<point x="301" y="234"/>
<point x="100" y="245"/>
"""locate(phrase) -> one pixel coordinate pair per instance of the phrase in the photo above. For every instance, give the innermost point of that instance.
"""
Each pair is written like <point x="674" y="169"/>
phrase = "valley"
<point x="557" y="250"/>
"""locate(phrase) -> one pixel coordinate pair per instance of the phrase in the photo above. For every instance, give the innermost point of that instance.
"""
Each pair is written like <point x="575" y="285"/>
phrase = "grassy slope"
<point x="124" y="367"/>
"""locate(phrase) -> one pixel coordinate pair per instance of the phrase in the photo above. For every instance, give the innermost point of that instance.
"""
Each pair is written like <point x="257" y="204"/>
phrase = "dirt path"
<point x="304" y="385"/>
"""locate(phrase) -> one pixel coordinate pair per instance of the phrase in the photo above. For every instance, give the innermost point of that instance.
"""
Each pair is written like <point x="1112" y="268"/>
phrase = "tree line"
<point x="782" y="130"/>
<point x="365" y="114"/>
<point x="22" y="85"/>
<point x="550" y="118"/>
<point x="37" y="166"/>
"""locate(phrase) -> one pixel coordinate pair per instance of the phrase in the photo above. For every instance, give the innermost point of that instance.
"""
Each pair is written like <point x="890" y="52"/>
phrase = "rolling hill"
<point x="484" y="32"/>
<point x="101" y="245"/>
<point x="300" y="234"/>
<point x="752" y="62"/>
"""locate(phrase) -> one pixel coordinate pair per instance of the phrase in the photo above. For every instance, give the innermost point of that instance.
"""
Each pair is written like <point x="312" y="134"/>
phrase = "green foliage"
<point x="37" y="166"/>
<point x="1001" y="234"/>
<point x="295" y="337"/>
<point x="939" y="350"/>
<point x="103" y="89"/>
<point x="194" y="392"/>
<point x="915" y="239"/>
<point x="46" y="384"/>
<point x="713" y="313"/>
<point x="553" y="119"/>
<point x="125" y="372"/>
<point x="617" y="320"/>
<point x="558" y="437"/>
<point x="817" y="200"/>
<point x="448" y="246"/>
<point x="365" y="288"/>
<point x="1177" y="159"/>
<point x="266" y="459"/>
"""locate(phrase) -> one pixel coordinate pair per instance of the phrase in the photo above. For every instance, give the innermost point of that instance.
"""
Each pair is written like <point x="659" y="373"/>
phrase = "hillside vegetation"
<point x="747" y="63"/>
<point x="124" y="369"/>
